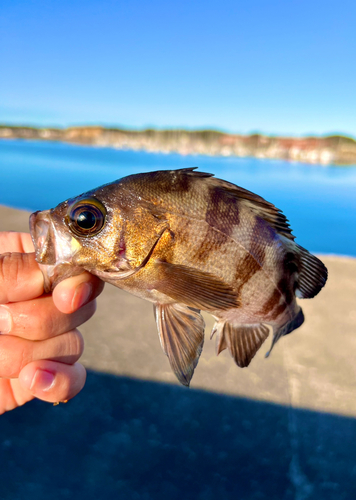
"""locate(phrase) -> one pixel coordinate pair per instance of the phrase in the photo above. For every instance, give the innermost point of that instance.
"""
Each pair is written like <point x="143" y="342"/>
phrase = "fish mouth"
<point x="53" y="249"/>
<point x="42" y="234"/>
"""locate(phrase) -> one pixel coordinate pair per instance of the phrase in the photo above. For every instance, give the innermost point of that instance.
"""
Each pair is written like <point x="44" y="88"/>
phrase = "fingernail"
<point x="43" y="380"/>
<point x="5" y="320"/>
<point x="82" y="295"/>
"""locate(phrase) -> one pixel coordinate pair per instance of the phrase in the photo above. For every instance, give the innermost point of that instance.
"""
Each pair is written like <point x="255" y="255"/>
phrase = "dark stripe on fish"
<point x="222" y="211"/>
<point x="262" y="237"/>
<point x="179" y="181"/>
<point x="290" y="263"/>
<point x="213" y="241"/>
<point x="284" y="286"/>
<point x="254" y="260"/>
<point x="272" y="308"/>
<point x="270" y="304"/>
<point x="168" y="181"/>
<point x="246" y="268"/>
<point x="262" y="231"/>
<point x="291" y="267"/>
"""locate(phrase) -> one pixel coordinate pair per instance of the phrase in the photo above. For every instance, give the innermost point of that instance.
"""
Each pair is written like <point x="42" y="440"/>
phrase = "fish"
<point x="187" y="242"/>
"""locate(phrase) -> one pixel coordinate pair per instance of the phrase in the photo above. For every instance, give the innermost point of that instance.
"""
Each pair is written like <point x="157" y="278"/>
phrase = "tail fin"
<point x="312" y="274"/>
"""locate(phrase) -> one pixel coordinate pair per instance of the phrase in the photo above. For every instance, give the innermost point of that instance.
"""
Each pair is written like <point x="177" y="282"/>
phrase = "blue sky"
<point x="278" y="67"/>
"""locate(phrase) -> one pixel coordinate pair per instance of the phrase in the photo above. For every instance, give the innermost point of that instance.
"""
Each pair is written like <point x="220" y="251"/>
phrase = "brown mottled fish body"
<point x="187" y="242"/>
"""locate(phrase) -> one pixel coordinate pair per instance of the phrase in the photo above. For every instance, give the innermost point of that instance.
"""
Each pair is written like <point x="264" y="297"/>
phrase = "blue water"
<point x="319" y="201"/>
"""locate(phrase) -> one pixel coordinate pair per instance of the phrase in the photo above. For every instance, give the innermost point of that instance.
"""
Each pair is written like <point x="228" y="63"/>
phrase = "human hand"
<point x="39" y="342"/>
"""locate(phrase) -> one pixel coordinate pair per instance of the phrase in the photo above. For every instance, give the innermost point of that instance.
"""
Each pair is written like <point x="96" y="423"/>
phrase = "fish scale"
<point x="187" y="242"/>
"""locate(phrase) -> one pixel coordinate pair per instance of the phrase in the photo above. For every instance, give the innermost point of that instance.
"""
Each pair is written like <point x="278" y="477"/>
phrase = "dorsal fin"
<point x="258" y="205"/>
<point x="179" y="179"/>
<point x="193" y="172"/>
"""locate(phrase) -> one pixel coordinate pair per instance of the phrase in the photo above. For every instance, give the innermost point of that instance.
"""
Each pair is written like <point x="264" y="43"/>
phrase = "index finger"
<point x="11" y="241"/>
<point x="20" y="277"/>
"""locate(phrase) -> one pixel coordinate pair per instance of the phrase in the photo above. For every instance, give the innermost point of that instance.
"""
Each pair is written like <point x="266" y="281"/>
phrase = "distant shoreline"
<point x="329" y="150"/>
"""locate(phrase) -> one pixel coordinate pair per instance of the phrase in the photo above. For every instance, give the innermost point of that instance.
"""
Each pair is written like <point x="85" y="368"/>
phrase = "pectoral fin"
<point x="195" y="288"/>
<point x="243" y="341"/>
<point x="181" y="332"/>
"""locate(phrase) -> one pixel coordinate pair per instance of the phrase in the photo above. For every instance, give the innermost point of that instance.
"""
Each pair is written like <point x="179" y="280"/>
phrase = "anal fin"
<point x="243" y="341"/>
<point x="296" y="322"/>
<point x="181" y="332"/>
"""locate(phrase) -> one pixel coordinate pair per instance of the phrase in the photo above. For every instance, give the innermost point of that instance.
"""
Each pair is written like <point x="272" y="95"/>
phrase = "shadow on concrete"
<point x="132" y="439"/>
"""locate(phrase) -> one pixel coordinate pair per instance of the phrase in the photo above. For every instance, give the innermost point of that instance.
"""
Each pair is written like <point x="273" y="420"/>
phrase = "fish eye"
<point x="86" y="217"/>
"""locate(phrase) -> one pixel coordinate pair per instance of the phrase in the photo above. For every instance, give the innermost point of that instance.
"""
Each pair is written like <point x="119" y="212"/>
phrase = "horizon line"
<point x="180" y="129"/>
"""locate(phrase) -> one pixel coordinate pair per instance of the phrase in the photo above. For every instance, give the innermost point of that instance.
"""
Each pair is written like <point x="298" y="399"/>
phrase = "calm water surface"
<point x="319" y="201"/>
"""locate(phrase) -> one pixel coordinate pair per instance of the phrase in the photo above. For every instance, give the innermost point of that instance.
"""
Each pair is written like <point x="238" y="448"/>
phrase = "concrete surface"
<point x="284" y="428"/>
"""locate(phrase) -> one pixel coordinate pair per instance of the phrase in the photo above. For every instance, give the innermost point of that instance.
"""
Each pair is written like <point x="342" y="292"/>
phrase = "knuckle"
<point x="73" y="345"/>
<point x="13" y="356"/>
<point x="10" y="266"/>
<point x="8" y="273"/>
<point x="78" y="343"/>
<point x="13" y="266"/>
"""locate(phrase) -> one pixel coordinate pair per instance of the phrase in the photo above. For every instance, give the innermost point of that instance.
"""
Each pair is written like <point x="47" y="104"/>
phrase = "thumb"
<point x="52" y="381"/>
